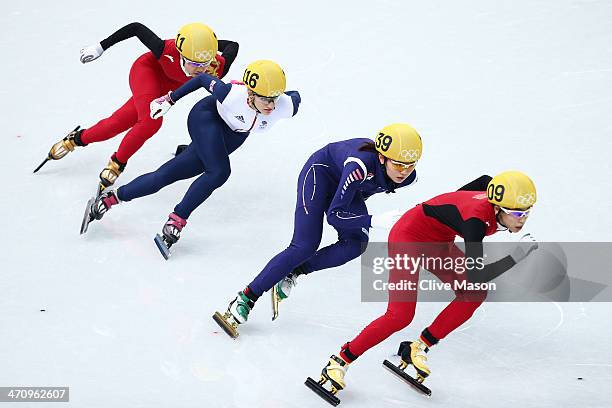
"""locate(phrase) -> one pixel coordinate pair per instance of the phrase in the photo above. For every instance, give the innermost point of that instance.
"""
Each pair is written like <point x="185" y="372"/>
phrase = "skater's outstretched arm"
<point x="212" y="84"/>
<point x="147" y="37"/>
<point x="144" y="34"/>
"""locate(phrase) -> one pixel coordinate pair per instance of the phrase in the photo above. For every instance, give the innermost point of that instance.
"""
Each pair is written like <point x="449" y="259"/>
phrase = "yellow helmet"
<point x="197" y="42"/>
<point x="265" y="78"/>
<point x="400" y="142"/>
<point x="512" y="190"/>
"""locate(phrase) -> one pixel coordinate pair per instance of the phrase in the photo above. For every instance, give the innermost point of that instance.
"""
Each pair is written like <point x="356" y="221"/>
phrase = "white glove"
<point x="160" y="106"/>
<point x="386" y="220"/>
<point x="91" y="53"/>
<point x="526" y="246"/>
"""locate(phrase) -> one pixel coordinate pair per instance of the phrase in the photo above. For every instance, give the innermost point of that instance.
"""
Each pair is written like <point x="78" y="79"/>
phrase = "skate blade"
<point x="417" y="385"/>
<point x="274" y="297"/>
<point x="225" y="325"/>
<point x="322" y="392"/>
<point x="87" y="216"/>
<point x="161" y="245"/>
<point x="42" y="164"/>
<point x="100" y="189"/>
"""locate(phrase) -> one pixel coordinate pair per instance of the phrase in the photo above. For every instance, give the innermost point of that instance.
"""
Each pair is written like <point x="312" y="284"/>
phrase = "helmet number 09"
<point x="179" y="42"/>
<point x="383" y="142"/>
<point x="250" y="78"/>
<point x="496" y="192"/>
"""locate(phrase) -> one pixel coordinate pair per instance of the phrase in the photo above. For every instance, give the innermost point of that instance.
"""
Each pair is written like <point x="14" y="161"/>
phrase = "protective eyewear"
<point x="517" y="213"/>
<point x="400" y="166"/>
<point x="267" y="99"/>
<point x="196" y="64"/>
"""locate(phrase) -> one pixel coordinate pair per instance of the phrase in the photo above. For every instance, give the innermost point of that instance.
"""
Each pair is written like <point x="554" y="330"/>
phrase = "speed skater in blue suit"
<point x="334" y="182"/>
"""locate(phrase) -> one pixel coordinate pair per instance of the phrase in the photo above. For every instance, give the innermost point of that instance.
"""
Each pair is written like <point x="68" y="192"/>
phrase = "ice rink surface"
<point x="490" y="86"/>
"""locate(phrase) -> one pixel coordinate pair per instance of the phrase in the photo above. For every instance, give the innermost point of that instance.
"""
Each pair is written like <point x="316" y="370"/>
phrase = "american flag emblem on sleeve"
<point x="356" y="175"/>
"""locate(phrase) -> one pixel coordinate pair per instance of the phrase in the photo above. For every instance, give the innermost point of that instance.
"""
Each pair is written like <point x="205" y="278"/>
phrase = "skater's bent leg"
<point x="306" y="239"/>
<point x="402" y="302"/>
<point x="143" y="129"/>
<point x="121" y="120"/>
<point x="454" y="315"/>
<point x="459" y="310"/>
<point x="349" y="246"/>
<point x="210" y="147"/>
<point x="183" y="166"/>
<point x="398" y="316"/>
<point x="209" y="137"/>
<point x="146" y="85"/>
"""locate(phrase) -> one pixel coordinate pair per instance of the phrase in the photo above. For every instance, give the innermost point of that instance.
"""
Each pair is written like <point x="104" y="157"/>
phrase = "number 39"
<point x="496" y="192"/>
<point x="383" y="141"/>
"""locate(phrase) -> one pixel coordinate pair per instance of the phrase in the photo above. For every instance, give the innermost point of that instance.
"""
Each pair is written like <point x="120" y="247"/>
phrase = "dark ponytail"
<point x="368" y="147"/>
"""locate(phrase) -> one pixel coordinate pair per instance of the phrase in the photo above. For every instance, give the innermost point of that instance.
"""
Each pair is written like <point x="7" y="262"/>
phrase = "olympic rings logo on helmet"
<point x="526" y="200"/>
<point x="409" y="155"/>
<point x="203" y="55"/>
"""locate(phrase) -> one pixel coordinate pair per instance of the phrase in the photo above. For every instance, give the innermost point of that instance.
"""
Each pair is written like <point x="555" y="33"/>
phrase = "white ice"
<point x="490" y="86"/>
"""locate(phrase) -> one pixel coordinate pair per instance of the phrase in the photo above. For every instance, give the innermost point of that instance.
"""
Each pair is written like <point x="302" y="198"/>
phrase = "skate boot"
<point x="282" y="289"/>
<point x="97" y="207"/>
<point x="414" y="353"/>
<point x="110" y="173"/>
<point x="237" y="313"/>
<point x="334" y="372"/>
<point x="60" y="149"/>
<point x="171" y="233"/>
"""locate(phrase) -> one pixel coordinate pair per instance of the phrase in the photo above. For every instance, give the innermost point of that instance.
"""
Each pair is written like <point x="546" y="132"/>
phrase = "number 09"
<point x="496" y="192"/>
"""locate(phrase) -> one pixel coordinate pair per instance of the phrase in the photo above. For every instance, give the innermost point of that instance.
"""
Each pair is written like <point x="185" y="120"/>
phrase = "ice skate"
<point x="334" y="372"/>
<point x="171" y="233"/>
<point x="110" y="173"/>
<point x="412" y="353"/>
<point x="98" y="206"/>
<point x="60" y="149"/>
<point x="237" y="313"/>
<point x="281" y="291"/>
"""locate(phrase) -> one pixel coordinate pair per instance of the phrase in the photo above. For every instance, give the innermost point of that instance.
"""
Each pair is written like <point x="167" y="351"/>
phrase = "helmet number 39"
<point x="496" y="192"/>
<point x="250" y="78"/>
<point x="383" y="142"/>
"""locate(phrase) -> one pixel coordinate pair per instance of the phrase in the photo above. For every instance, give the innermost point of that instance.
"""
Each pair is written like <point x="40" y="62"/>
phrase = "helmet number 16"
<point x="250" y="78"/>
<point x="383" y="142"/>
